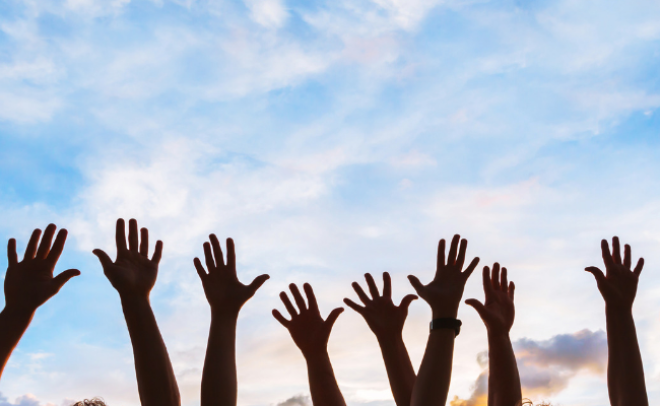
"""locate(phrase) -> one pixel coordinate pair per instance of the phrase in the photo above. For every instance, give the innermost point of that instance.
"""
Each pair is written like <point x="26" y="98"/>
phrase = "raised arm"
<point x="386" y="321"/>
<point x="29" y="284"/>
<point x="618" y="286"/>
<point x="226" y="295"/>
<point x="133" y="275"/>
<point x="311" y="333"/>
<point x="443" y="294"/>
<point x="498" y="313"/>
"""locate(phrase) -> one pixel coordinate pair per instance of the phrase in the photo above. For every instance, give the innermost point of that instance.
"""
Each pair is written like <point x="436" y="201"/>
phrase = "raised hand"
<point x="498" y="311"/>
<point x="30" y="282"/>
<point x="225" y="293"/>
<point x="381" y="314"/>
<point x="445" y="291"/>
<point x="307" y="328"/>
<point x="133" y="274"/>
<point x="386" y="321"/>
<point x="618" y="285"/>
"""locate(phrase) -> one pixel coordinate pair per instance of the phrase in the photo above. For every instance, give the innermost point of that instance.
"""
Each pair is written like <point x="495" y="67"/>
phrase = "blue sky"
<point x="330" y="138"/>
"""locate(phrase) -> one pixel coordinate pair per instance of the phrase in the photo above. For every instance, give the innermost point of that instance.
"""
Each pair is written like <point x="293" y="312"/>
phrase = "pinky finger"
<point x="278" y="316"/>
<point x="158" y="252"/>
<point x="640" y="265"/>
<point x="11" y="252"/>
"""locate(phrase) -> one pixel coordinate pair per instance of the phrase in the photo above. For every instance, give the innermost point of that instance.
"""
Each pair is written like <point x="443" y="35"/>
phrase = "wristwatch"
<point x="446" y="322"/>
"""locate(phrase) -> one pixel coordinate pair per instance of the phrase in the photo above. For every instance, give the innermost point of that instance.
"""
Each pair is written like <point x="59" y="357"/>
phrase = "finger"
<point x="358" y="289"/>
<point x="133" y="235"/>
<point x="12" y="256"/>
<point x="488" y="285"/>
<point x="616" y="248"/>
<point x="208" y="258"/>
<point x="298" y="297"/>
<point x="287" y="303"/>
<point x="461" y="254"/>
<point x="597" y="273"/>
<point x="405" y="302"/>
<point x="46" y="241"/>
<point x="200" y="268"/>
<point x="441" y="255"/>
<point x="217" y="250"/>
<point x="31" y="248"/>
<point x="453" y="250"/>
<point x="281" y="318"/>
<point x="627" y="256"/>
<point x="473" y="265"/>
<point x="354" y="306"/>
<point x="387" y="285"/>
<point x="58" y="247"/>
<point x="639" y="266"/>
<point x="144" y="242"/>
<point x="120" y="236"/>
<point x="373" y="289"/>
<point x="311" y="297"/>
<point x="495" y="278"/>
<point x="231" y="255"/>
<point x="158" y="252"/>
<point x="103" y="258"/>
<point x="607" y="257"/>
<point x="64" y="277"/>
<point x="416" y="284"/>
<point x="478" y="306"/>
<point x="332" y="317"/>
<point x="512" y="290"/>
<point x="257" y="282"/>
<point x="504" y="281"/>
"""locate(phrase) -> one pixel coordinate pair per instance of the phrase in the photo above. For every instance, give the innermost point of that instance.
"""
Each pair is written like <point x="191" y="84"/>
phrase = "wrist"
<point x="618" y="310"/>
<point x="445" y="312"/>
<point x="132" y="300"/>
<point x="312" y="357"/>
<point x="19" y="312"/>
<point x="498" y="335"/>
<point x="390" y="340"/>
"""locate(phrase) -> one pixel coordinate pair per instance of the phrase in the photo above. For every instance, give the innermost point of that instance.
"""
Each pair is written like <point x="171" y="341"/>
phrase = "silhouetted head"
<point x="90" y="402"/>
<point x="527" y="402"/>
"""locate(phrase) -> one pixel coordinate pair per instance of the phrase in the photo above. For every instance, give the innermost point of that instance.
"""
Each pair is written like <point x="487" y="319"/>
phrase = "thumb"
<point x="416" y="284"/>
<point x="103" y="257"/>
<point x="332" y="317"/>
<point x="64" y="277"/>
<point x="597" y="273"/>
<point x="257" y="282"/>
<point x="478" y="306"/>
<point x="405" y="302"/>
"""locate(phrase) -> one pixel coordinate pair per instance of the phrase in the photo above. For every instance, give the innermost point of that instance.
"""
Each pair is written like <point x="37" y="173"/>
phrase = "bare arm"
<point x="444" y="295"/>
<point x="618" y="286"/>
<point x="29" y="284"/>
<point x="133" y="275"/>
<point x="386" y="321"/>
<point x="498" y="313"/>
<point x="311" y="333"/>
<point x="226" y="296"/>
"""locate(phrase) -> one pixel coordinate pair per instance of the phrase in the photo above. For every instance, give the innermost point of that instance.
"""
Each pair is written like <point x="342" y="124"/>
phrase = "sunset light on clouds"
<point x="331" y="139"/>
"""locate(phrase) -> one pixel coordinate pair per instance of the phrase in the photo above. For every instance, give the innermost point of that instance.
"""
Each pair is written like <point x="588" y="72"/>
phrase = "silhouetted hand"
<point x="498" y="312"/>
<point x="618" y="285"/>
<point x="133" y="274"/>
<point x="225" y="293"/>
<point x="307" y="328"/>
<point x="444" y="293"/>
<point x="380" y="313"/>
<point x="30" y="282"/>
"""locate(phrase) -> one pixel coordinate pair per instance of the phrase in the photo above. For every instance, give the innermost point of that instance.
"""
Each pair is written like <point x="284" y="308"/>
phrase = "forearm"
<point x="13" y="324"/>
<point x="400" y="371"/>
<point x="156" y="381"/>
<point x="322" y="382"/>
<point x="219" y="384"/>
<point x="625" y="372"/>
<point x="503" y="378"/>
<point x="432" y="383"/>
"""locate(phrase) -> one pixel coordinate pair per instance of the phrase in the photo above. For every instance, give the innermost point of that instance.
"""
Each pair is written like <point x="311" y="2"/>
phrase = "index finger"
<point x="12" y="256"/>
<point x="120" y="236"/>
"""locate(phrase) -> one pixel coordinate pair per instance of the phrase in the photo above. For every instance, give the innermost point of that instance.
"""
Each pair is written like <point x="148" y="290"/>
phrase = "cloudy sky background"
<point x="330" y="139"/>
